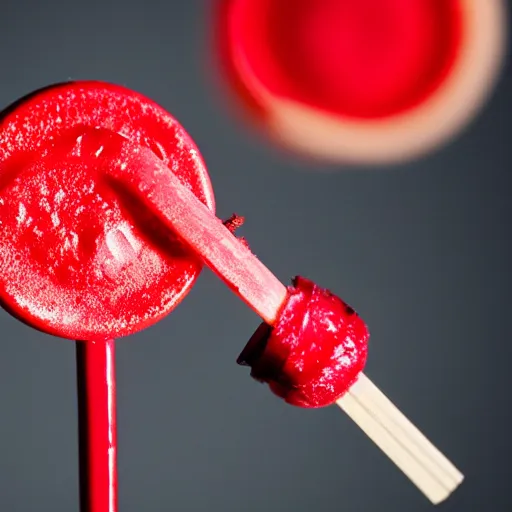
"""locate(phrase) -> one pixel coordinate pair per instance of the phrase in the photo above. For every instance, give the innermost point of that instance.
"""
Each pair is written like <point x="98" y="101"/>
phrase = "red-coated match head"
<point x="314" y="352"/>
<point x="80" y="258"/>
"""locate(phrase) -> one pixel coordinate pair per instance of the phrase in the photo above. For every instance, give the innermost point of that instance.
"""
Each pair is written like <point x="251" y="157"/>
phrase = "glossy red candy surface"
<point x="359" y="59"/>
<point x="314" y="352"/>
<point x="79" y="258"/>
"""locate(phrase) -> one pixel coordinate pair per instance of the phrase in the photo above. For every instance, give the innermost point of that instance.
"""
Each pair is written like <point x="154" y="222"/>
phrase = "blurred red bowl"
<point x="366" y="81"/>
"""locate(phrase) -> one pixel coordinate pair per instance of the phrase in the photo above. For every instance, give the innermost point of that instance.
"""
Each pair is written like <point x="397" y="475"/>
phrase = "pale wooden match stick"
<point x="400" y="440"/>
<point x="164" y="194"/>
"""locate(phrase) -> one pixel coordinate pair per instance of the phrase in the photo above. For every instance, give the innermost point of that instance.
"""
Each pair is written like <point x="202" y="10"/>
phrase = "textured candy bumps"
<point x="315" y="350"/>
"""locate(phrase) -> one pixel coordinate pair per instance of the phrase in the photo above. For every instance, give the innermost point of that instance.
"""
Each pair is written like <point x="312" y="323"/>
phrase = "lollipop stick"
<point x="400" y="440"/>
<point x="96" y="384"/>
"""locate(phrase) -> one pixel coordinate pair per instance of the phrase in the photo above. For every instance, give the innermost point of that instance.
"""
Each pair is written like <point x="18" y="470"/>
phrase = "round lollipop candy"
<point x="367" y="81"/>
<point x="108" y="214"/>
<point x="81" y="257"/>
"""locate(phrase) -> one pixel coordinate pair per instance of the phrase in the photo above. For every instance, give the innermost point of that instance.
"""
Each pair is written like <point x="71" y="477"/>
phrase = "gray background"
<point x="421" y="250"/>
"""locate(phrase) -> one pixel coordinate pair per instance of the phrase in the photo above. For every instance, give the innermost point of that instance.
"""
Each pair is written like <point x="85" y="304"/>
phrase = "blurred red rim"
<point x="410" y="75"/>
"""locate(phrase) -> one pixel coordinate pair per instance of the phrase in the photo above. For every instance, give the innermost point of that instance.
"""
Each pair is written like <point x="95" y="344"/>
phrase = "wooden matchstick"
<point x="400" y="440"/>
<point x="163" y="193"/>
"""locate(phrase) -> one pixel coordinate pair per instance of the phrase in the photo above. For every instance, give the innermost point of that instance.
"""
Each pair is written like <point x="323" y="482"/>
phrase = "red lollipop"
<point x="107" y="209"/>
<point x="81" y="258"/>
<point x="365" y="81"/>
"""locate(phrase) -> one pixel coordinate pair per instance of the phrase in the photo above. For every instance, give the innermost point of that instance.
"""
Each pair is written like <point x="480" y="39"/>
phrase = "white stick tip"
<point x="400" y="440"/>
